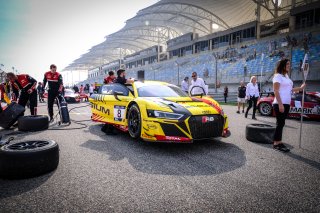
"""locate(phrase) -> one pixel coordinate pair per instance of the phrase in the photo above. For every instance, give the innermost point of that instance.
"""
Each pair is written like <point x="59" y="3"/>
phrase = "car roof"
<point x="145" y="83"/>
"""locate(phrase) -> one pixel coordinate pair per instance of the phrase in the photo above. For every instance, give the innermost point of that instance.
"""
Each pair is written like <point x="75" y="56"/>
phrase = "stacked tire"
<point x="28" y="159"/>
<point x="33" y="123"/>
<point x="260" y="133"/>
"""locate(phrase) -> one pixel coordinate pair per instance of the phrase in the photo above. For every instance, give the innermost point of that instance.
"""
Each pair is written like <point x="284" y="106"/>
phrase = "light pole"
<point x="178" y="72"/>
<point x="2" y="73"/>
<point x="216" y="60"/>
<point x="261" y="69"/>
<point x="158" y="33"/>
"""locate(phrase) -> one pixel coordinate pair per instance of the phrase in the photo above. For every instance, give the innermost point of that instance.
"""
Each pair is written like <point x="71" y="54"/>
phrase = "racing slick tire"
<point x="260" y="133"/>
<point x="134" y="121"/>
<point x="265" y="109"/>
<point x="28" y="159"/>
<point x="33" y="123"/>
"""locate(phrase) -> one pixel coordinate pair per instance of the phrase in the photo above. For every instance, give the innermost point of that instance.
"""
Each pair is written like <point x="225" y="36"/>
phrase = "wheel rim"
<point x="28" y="145"/>
<point x="134" y="121"/>
<point x="265" y="109"/>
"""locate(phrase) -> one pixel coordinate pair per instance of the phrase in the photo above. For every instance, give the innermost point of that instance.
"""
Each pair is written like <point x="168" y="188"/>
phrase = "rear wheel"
<point x="265" y="109"/>
<point x="134" y="121"/>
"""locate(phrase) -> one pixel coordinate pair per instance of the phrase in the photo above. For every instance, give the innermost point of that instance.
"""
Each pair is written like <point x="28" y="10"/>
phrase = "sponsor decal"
<point x="119" y="112"/>
<point x="147" y="136"/>
<point x="206" y="119"/>
<point x="206" y="112"/>
<point x="151" y="126"/>
<point x="171" y="138"/>
<point x="100" y="108"/>
<point x="314" y="110"/>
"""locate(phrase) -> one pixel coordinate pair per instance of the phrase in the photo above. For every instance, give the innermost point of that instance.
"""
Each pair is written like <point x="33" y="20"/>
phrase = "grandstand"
<point x="224" y="41"/>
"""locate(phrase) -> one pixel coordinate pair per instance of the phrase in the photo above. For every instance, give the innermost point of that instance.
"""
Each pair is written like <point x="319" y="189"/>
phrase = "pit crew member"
<point x="26" y="85"/>
<point x="55" y="84"/>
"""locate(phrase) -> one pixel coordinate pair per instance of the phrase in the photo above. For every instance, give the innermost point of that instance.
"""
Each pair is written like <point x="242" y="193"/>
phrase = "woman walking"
<point x="252" y="95"/>
<point x="282" y="87"/>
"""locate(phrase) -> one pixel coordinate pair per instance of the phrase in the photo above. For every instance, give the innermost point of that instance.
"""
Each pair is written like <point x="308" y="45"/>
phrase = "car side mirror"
<point x="116" y="93"/>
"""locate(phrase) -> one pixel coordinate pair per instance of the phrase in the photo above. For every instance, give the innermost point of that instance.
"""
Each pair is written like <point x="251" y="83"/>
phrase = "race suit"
<point x="55" y="84"/>
<point x="27" y="87"/>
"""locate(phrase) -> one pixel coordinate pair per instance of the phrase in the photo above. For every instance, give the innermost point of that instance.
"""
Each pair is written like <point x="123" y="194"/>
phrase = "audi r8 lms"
<point x="158" y="111"/>
<point x="311" y="107"/>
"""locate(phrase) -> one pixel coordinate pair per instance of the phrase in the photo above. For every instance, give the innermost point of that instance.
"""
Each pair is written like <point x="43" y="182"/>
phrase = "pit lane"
<point x="100" y="173"/>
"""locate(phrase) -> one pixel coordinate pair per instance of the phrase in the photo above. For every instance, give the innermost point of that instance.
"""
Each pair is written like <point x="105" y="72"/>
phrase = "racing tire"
<point x="260" y="133"/>
<point x="28" y="159"/>
<point x="33" y="123"/>
<point x="265" y="109"/>
<point x="134" y="121"/>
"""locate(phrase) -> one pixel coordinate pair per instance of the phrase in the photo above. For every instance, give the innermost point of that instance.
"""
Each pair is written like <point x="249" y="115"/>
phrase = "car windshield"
<point x="160" y="91"/>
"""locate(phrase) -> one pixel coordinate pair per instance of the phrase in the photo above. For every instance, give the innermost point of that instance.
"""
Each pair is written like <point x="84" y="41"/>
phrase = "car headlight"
<point x="165" y="115"/>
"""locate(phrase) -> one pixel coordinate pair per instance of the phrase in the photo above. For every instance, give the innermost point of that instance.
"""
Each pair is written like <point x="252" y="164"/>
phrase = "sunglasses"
<point x="194" y="76"/>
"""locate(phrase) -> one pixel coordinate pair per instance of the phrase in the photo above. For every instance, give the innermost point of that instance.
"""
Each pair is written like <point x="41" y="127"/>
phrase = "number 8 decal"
<point x="119" y="113"/>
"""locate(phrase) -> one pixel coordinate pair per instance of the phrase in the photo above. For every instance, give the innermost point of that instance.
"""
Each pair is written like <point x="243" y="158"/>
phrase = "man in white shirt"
<point x="197" y="85"/>
<point x="185" y="84"/>
<point x="91" y="89"/>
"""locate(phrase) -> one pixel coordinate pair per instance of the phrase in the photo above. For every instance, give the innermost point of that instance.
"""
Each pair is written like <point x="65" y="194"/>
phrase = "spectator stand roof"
<point x="168" y="19"/>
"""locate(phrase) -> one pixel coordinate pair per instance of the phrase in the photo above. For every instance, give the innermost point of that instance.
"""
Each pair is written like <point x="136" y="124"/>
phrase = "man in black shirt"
<point x="241" y="96"/>
<point x="121" y="79"/>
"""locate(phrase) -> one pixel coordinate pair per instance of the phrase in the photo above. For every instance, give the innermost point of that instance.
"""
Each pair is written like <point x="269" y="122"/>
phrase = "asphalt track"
<point x="99" y="173"/>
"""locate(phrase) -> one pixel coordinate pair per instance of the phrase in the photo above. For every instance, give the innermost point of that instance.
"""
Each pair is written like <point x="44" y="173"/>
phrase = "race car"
<point x="311" y="107"/>
<point x="159" y="112"/>
<point x="71" y="96"/>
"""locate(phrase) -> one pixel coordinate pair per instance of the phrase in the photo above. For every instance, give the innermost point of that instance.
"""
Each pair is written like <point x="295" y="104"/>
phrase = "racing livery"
<point x="311" y="108"/>
<point x="158" y="111"/>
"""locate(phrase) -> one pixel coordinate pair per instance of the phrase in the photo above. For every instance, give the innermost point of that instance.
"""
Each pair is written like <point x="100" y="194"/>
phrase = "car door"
<point x="296" y="103"/>
<point x="110" y="104"/>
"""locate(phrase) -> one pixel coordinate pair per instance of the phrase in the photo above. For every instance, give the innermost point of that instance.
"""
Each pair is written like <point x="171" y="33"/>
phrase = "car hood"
<point x="184" y="105"/>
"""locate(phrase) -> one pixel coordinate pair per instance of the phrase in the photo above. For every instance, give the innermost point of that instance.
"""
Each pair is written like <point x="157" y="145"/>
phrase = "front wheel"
<point x="134" y="121"/>
<point x="265" y="109"/>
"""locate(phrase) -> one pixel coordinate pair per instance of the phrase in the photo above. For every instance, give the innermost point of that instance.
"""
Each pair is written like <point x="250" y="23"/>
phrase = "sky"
<point x="37" y="33"/>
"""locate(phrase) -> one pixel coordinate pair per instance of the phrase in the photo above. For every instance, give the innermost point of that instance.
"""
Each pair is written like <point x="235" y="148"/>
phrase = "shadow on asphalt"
<point x="312" y="163"/>
<point x="200" y="158"/>
<point x="9" y="188"/>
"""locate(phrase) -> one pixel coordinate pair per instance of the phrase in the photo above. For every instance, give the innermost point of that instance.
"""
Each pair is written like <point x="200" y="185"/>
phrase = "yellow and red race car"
<point x="158" y="111"/>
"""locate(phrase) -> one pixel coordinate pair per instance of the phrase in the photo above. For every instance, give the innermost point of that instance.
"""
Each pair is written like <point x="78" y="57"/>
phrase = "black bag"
<point x="63" y="110"/>
<point x="10" y="115"/>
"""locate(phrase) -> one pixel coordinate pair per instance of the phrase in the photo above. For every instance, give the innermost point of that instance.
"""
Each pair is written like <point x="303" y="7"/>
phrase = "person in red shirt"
<point x="55" y="83"/>
<point x="110" y="79"/>
<point x="27" y="87"/>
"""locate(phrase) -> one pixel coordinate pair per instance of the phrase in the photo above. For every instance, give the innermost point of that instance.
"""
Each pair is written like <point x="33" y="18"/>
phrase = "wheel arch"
<point x="129" y="105"/>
